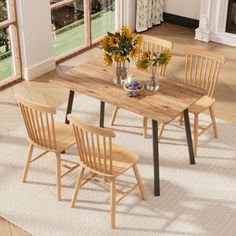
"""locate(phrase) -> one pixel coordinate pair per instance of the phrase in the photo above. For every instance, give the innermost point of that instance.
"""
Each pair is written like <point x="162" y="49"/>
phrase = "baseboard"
<point x="224" y="38"/>
<point x="39" y="69"/>
<point x="181" y="20"/>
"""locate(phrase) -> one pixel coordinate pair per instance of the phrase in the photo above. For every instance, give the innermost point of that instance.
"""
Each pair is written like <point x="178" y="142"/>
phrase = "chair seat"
<point x="201" y="105"/>
<point x="122" y="160"/>
<point x="64" y="136"/>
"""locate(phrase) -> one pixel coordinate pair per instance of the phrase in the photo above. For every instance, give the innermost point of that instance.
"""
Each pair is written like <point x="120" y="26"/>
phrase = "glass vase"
<point x="120" y="73"/>
<point x="153" y="82"/>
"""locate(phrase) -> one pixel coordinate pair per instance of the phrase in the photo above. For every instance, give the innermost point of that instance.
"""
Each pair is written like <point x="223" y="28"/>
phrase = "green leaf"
<point x="110" y="34"/>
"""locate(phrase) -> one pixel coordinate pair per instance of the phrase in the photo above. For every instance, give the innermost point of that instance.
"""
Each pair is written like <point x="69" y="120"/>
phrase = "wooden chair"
<point x="153" y="45"/>
<point x="44" y="133"/>
<point x="202" y="70"/>
<point x="103" y="159"/>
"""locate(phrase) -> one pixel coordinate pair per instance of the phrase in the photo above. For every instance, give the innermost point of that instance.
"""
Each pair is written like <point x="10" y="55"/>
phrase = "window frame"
<point x="11" y="22"/>
<point x="89" y="43"/>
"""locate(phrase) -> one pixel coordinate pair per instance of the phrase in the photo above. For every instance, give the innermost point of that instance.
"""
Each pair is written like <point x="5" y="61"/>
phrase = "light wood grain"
<point x="99" y="156"/>
<point x="113" y="203"/>
<point x="42" y="91"/>
<point x="5" y="228"/>
<point x="153" y="45"/>
<point x="44" y="133"/>
<point x="202" y="70"/>
<point x="163" y="105"/>
<point x="8" y="229"/>
<point x="87" y="22"/>
<point x="61" y="4"/>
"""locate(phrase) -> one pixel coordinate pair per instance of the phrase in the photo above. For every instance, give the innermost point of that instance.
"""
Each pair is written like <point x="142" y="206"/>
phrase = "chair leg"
<point x="195" y="134"/>
<point x="114" y="113"/>
<point x="181" y="119"/>
<point x="27" y="163"/>
<point x="139" y="181"/>
<point x="77" y="188"/>
<point x="113" y="202"/>
<point x="145" y="127"/>
<point x="58" y="176"/>
<point x="161" y="129"/>
<point x="213" y="121"/>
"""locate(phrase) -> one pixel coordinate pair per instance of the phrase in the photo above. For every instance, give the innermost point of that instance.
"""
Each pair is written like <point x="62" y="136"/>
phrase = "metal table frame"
<point x="154" y="139"/>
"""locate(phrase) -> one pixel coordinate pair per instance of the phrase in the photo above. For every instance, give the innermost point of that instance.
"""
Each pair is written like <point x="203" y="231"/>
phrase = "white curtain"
<point x="149" y="13"/>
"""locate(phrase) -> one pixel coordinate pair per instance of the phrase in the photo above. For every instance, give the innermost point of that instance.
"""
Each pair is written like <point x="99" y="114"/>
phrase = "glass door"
<point x="102" y="18"/>
<point x="68" y="26"/>
<point x="78" y="24"/>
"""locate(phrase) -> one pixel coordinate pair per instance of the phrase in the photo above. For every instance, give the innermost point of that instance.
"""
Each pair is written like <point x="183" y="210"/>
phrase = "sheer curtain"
<point x="149" y="13"/>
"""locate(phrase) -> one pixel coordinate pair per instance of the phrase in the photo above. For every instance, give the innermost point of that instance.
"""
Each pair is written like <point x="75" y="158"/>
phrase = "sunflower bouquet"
<point x="152" y="60"/>
<point x="120" y="47"/>
<point x="148" y="60"/>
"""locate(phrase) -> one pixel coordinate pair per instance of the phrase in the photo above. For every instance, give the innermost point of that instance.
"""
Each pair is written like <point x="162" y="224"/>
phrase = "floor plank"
<point x="9" y="229"/>
<point x="5" y="229"/>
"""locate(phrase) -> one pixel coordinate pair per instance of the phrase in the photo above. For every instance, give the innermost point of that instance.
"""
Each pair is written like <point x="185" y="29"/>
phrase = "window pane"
<point x="3" y="10"/>
<point x="68" y="27"/>
<point x="6" y="65"/>
<point x="102" y="17"/>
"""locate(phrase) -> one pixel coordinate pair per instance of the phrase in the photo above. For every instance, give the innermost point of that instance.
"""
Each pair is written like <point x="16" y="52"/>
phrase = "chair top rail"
<point x="35" y="106"/>
<point x="93" y="129"/>
<point x="204" y="53"/>
<point x="161" y="42"/>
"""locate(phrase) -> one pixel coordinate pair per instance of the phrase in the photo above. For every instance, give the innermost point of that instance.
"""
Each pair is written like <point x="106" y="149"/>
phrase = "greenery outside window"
<point x="9" y="46"/>
<point x="78" y="24"/>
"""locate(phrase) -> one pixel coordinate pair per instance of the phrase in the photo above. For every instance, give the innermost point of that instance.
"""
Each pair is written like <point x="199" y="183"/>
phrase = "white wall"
<point x="186" y="8"/>
<point x="213" y="17"/>
<point x="34" y="19"/>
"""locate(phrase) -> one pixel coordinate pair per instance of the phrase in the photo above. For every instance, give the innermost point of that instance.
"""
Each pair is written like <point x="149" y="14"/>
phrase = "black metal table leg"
<point x="69" y="109"/>
<point x="189" y="137"/>
<point x="155" y="158"/>
<point x="102" y="113"/>
<point x="69" y="105"/>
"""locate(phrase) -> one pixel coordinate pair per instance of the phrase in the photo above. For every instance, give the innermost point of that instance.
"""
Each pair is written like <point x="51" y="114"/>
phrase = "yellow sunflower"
<point x="126" y="31"/>
<point x="104" y="42"/>
<point x="142" y="64"/>
<point x="165" y="57"/>
<point x="168" y="56"/>
<point x="135" y="51"/>
<point x="114" y="42"/>
<point x="108" y="59"/>
<point x="139" y="40"/>
<point x="146" y="56"/>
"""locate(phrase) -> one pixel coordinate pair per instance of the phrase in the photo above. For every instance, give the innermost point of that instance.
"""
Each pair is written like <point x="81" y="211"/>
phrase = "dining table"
<point x="93" y="78"/>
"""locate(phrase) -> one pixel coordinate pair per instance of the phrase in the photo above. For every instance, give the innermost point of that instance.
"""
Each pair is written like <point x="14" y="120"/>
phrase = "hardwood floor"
<point x="40" y="90"/>
<point x="8" y="229"/>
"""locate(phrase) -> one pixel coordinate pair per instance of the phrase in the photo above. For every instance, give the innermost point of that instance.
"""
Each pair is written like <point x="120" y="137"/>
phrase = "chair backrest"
<point x="202" y="69"/>
<point x="155" y="45"/>
<point x="39" y="122"/>
<point x="94" y="146"/>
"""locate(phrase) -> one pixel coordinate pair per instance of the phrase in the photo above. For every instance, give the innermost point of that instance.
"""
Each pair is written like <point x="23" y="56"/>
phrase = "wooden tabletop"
<point x="94" y="79"/>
